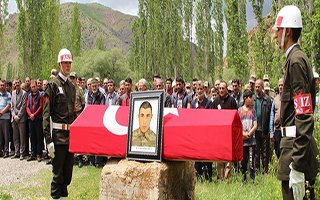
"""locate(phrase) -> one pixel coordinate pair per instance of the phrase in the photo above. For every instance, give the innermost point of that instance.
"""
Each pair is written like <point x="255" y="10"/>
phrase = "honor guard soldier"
<point x="59" y="105"/>
<point x="297" y="162"/>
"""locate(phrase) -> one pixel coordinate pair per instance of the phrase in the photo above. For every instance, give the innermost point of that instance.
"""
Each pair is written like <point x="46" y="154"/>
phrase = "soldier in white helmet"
<point x="297" y="162"/>
<point x="59" y="104"/>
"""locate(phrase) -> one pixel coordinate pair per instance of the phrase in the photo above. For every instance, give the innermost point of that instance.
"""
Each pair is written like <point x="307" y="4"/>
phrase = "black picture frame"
<point x="141" y="146"/>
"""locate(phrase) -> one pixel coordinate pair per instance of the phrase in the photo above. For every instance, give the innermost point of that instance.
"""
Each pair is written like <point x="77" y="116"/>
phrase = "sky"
<point x="124" y="6"/>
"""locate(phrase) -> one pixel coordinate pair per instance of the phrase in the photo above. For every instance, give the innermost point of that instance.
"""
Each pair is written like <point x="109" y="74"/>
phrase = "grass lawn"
<point x="85" y="185"/>
<point x="264" y="187"/>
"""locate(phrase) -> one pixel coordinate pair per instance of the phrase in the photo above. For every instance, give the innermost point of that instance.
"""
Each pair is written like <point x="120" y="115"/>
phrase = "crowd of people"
<point x="22" y="103"/>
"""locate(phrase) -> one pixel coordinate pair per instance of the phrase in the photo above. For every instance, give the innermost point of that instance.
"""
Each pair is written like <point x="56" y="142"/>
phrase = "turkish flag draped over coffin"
<point x="188" y="134"/>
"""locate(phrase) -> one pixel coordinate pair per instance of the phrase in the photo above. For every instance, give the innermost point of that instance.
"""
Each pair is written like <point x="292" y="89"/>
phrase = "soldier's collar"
<point x="290" y="48"/>
<point x="63" y="77"/>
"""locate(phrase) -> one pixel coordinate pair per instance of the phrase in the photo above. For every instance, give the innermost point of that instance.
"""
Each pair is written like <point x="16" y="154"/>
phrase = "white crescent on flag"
<point x="110" y="122"/>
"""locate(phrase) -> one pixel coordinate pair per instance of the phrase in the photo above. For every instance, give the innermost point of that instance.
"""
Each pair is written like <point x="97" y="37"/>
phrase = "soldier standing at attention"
<point x="59" y="104"/>
<point x="297" y="162"/>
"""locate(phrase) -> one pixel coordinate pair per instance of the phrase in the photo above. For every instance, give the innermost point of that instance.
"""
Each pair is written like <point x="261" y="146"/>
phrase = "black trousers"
<point x="36" y="137"/>
<point x="204" y="170"/>
<point x="288" y="195"/>
<point x="62" y="166"/>
<point x="262" y="150"/>
<point x="277" y="140"/>
<point x="248" y="158"/>
<point x="27" y="148"/>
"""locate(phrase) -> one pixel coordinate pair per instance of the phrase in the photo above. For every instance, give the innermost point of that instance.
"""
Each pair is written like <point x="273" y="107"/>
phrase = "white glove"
<point x="296" y="182"/>
<point x="50" y="147"/>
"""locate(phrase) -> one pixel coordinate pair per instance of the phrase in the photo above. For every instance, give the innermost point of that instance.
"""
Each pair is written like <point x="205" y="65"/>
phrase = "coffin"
<point x="188" y="134"/>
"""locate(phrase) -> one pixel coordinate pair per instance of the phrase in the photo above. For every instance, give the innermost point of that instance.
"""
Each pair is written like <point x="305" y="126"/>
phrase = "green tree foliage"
<point x="111" y="64"/>
<point x="205" y="40"/>
<point x="38" y="36"/>
<point x="259" y="56"/>
<point x="22" y="34"/>
<point x="75" y="31"/>
<point x="187" y="58"/>
<point x="3" y="16"/>
<point x="218" y="37"/>
<point x="51" y="36"/>
<point x="157" y="43"/>
<point x="316" y="35"/>
<point x="237" y="44"/>
<point x="100" y="43"/>
<point x="35" y="13"/>
<point x="9" y="74"/>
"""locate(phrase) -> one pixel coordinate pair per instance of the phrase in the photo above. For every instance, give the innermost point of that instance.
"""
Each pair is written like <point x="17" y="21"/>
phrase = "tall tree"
<point x="237" y="45"/>
<point x="219" y="37"/>
<point x="259" y="57"/>
<point x="100" y="42"/>
<point x="3" y="16"/>
<point x="51" y="35"/>
<point x="204" y="35"/>
<point x="22" y="34"/>
<point x="188" y="18"/>
<point x="76" y="31"/>
<point x="316" y="35"/>
<point x="35" y="13"/>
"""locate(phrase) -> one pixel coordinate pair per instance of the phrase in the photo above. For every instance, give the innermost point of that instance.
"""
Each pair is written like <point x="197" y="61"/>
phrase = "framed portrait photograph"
<point x="145" y="126"/>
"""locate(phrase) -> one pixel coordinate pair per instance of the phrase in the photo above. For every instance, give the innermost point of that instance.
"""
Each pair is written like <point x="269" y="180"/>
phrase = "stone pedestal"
<point x="144" y="180"/>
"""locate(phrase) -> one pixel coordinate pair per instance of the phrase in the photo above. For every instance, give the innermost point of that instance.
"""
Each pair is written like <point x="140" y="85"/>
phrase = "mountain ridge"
<point x="96" y="20"/>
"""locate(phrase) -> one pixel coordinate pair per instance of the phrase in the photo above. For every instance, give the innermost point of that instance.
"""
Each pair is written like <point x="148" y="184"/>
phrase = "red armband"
<point x="302" y="103"/>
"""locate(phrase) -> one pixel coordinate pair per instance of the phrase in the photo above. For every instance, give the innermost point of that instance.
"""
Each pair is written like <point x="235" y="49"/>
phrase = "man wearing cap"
<point x="266" y="86"/>
<point x="59" y="104"/>
<point x="143" y="85"/>
<point x="298" y="162"/>
<point x="79" y="93"/>
<point x="95" y="97"/>
<point x="266" y="78"/>
<point x="252" y="81"/>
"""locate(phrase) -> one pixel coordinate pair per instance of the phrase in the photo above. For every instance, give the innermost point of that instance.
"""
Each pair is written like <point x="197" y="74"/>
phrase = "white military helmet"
<point x="64" y="56"/>
<point x="289" y="17"/>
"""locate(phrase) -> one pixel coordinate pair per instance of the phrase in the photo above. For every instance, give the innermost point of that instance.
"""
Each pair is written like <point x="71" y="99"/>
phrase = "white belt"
<point x="59" y="126"/>
<point x="288" y="131"/>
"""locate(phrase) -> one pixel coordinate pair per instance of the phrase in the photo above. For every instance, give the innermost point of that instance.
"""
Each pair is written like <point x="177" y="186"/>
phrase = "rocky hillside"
<point x="96" y="20"/>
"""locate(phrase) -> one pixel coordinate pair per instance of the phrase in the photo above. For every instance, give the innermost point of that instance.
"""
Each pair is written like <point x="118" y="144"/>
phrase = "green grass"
<point x="84" y="185"/>
<point x="4" y="196"/>
<point x="264" y="187"/>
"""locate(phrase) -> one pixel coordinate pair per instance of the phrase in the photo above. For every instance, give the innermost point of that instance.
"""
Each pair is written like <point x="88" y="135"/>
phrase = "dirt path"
<point x="14" y="171"/>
